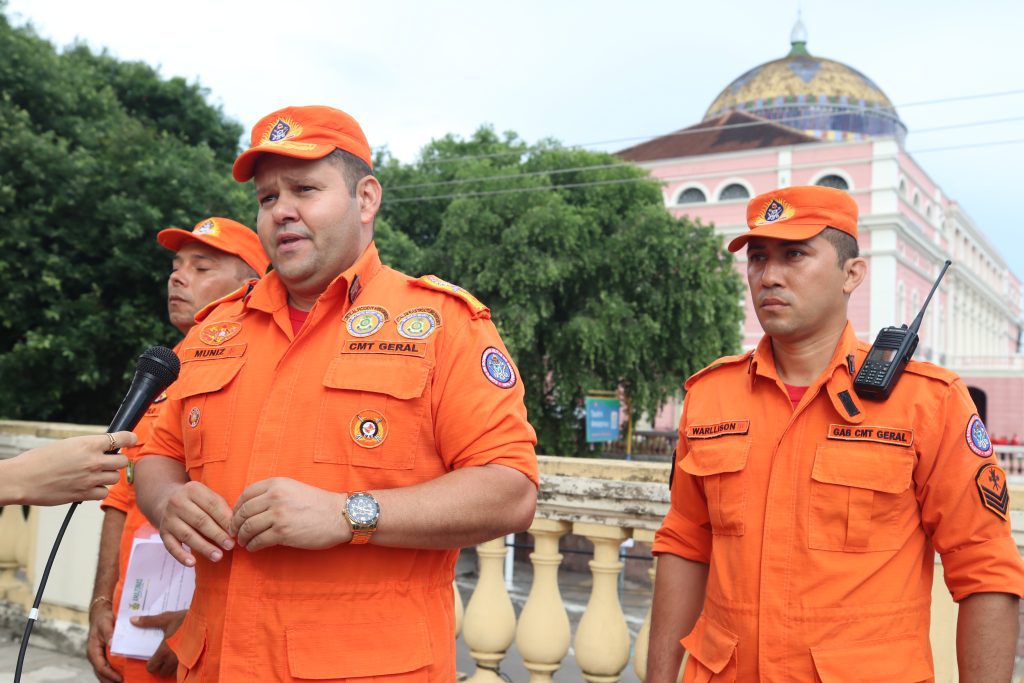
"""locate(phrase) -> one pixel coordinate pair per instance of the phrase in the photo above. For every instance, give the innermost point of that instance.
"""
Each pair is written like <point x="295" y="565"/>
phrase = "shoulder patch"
<point x="926" y="369"/>
<point x="991" y="482"/>
<point x="726" y="360"/>
<point x="437" y="284"/>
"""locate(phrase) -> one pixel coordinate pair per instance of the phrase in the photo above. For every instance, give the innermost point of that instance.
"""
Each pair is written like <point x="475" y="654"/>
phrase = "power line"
<point x="594" y="167"/>
<point x="597" y="167"/>
<point x="840" y="109"/>
<point x="641" y="179"/>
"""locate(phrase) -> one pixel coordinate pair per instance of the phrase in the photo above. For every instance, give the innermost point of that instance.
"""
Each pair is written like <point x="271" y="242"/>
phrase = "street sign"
<point x="602" y="419"/>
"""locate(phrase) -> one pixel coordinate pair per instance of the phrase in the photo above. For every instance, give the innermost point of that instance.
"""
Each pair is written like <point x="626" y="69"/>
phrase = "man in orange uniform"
<point x="335" y="435"/>
<point x="805" y="519"/>
<point x="217" y="257"/>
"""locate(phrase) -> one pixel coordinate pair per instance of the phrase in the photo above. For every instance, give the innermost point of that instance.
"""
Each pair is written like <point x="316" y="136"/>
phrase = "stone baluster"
<point x="543" y="632"/>
<point x="643" y="638"/>
<point x="602" y="638"/>
<point x="490" y="623"/>
<point x="13" y="546"/>
<point x="460" y="611"/>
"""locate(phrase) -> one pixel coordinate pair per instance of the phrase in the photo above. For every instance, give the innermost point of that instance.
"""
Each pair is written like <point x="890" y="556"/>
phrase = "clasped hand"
<point x="276" y="511"/>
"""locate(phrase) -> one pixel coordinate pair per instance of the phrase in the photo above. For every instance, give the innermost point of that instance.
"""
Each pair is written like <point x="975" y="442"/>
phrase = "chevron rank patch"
<point x="995" y="496"/>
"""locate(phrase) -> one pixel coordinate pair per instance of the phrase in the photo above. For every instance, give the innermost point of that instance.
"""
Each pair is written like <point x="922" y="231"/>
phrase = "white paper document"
<point x="155" y="582"/>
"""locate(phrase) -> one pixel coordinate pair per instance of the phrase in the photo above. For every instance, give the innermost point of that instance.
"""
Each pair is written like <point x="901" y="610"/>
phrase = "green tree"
<point x="593" y="285"/>
<point x="96" y="157"/>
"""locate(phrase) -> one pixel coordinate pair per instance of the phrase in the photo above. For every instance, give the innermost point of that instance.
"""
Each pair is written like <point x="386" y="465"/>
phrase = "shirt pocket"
<point x="712" y="650"/>
<point x="720" y="465"/>
<point x="397" y="650"/>
<point x="372" y="411"/>
<point x="861" y="498"/>
<point x="898" y="659"/>
<point x="207" y="411"/>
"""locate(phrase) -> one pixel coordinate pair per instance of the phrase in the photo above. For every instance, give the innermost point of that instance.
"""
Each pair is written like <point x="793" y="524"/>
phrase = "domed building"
<point x="808" y="120"/>
<point x="821" y="97"/>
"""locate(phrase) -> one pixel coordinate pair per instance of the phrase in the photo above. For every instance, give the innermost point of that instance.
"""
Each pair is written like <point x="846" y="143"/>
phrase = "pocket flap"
<point x="898" y="660"/>
<point x="716" y="458"/>
<point x="879" y="468"/>
<point x="325" y="651"/>
<point x="403" y="377"/>
<point x="189" y="641"/>
<point x="710" y="644"/>
<point x="206" y="377"/>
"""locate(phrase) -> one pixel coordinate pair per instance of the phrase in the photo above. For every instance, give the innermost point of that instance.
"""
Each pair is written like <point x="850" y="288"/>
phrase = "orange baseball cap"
<point x="303" y="133"/>
<point x="224" y="235"/>
<point x="798" y="213"/>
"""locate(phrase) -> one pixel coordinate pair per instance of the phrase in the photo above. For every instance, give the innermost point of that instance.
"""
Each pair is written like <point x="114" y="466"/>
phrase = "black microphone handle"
<point x="144" y="390"/>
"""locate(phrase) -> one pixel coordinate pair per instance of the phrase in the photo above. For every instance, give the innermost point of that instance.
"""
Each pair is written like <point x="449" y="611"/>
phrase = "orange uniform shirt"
<point x="820" y="523"/>
<point x="122" y="497"/>
<point x="390" y="382"/>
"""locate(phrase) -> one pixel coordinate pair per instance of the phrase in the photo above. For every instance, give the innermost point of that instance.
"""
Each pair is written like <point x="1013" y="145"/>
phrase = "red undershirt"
<point x="795" y="394"/>
<point x="297" y="318"/>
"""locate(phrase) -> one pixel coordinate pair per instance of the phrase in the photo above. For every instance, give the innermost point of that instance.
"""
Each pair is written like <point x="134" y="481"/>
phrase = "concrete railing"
<point x="606" y="502"/>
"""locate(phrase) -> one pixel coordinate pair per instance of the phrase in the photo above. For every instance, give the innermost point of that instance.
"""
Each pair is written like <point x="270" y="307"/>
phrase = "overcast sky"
<point x="584" y="72"/>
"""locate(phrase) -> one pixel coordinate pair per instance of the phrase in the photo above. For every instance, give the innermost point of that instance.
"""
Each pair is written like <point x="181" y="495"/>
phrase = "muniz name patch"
<point x="384" y="346"/>
<point x="717" y="429"/>
<point x="192" y="353"/>
<point x="886" y="435"/>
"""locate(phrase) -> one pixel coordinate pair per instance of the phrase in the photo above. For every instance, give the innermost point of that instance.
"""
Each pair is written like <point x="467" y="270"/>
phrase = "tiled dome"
<point x="819" y="96"/>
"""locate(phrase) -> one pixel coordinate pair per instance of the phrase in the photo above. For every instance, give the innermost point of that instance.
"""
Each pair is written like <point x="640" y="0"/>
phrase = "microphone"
<point x="157" y="369"/>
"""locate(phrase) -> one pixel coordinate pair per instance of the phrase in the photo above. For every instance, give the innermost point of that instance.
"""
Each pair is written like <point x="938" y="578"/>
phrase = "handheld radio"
<point x="889" y="355"/>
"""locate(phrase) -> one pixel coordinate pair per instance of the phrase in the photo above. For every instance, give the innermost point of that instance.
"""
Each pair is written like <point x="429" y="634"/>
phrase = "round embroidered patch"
<point x="977" y="437"/>
<point x="216" y="334"/>
<point x="365" y="320"/>
<point x="497" y="368"/>
<point x="207" y="227"/>
<point x="368" y="428"/>
<point x="193" y="417"/>
<point x="418" y="323"/>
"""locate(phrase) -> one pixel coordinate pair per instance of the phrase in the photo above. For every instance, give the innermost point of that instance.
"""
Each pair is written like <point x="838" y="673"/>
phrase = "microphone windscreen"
<point x="161" y="363"/>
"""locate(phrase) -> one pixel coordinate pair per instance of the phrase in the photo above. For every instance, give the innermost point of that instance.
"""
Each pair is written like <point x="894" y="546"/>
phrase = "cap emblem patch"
<point x="497" y="368"/>
<point x="775" y="210"/>
<point x="365" y="320"/>
<point x="977" y="437"/>
<point x="368" y="428"/>
<point x="283" y="129"/>
<point x="208" y="227"/>
<point x="216" y="334"/>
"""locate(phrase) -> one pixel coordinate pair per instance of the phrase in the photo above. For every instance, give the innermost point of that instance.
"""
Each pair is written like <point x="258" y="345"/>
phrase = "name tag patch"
<point x="713" y="431"/>
<point x="192" y="353"/>
<point x="393" y="348"/>
<point x="886" y="435"/>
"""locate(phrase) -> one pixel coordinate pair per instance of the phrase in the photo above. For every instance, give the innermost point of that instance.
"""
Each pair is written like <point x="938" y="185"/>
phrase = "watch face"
<point x="362" y="508"/>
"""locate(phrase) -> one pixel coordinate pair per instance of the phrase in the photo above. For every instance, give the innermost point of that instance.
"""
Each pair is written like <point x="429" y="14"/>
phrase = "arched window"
<point x="733" y="191"/>
<point x="691" y="195"/>
<point x="903" y="187"/>
<point x="833" y="181"/>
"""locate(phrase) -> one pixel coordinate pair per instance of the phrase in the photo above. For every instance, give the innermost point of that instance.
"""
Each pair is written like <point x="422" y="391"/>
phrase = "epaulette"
<point x="926" y="369"/>
<point x="726" y="360"/>
<point x="236" y="295"/>
<point x="434" y="282"/>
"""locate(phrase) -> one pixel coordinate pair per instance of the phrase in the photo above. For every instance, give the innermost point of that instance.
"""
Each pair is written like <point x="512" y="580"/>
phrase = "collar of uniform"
<point x="270" y="294"/>
<point x="836" y="376"/>
<point x="840" y="380"/>
<point x="353" y="281"/>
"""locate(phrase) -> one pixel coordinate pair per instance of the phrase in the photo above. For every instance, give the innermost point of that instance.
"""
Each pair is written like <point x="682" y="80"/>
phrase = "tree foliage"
<point x="96" y="157"/>
<point x="593" y="285"/>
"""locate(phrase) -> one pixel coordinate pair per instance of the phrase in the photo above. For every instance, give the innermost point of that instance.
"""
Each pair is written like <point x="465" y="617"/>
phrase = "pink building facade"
<point x="908" y="226"/>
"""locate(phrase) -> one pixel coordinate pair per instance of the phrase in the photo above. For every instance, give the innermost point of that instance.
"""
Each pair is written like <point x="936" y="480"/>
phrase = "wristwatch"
<point x="362" y="512"/>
